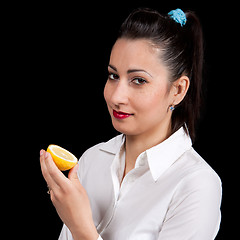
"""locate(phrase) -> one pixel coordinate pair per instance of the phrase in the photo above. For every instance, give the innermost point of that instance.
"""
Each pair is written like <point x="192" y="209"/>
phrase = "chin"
<point x="125" y="128"/>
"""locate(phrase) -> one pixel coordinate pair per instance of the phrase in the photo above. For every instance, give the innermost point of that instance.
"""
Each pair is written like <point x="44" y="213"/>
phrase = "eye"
<point x="139" y="81"/>
<point x="113" y="76"/>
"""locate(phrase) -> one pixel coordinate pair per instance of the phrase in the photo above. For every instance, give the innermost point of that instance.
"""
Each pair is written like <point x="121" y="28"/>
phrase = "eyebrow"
<point x="131" y="70"/>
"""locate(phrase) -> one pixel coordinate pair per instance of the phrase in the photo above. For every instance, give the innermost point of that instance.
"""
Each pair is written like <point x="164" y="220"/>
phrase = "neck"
<point x="136" y="144"/>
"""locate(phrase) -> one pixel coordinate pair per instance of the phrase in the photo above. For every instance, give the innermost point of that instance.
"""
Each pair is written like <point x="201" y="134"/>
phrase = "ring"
<point x="49" y="189"/>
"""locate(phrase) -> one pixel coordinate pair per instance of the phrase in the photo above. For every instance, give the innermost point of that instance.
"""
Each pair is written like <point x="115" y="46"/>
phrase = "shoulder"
<point x="196" y="198"/>
<point x="191" y="163"/>
<point x="197" y="176"/>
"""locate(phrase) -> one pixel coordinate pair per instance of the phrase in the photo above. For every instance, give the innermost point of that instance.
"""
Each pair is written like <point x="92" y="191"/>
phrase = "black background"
<point x="56" y="67"/>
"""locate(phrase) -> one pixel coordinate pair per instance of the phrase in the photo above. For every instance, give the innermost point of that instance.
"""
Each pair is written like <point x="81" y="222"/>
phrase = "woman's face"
<point x="137" y="92"/>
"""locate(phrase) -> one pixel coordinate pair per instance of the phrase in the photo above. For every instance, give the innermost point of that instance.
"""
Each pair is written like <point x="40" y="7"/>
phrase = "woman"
<point x="148" y="183"/>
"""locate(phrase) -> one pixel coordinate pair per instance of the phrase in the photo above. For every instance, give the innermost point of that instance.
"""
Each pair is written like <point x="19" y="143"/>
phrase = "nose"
<point x="120" y="93"/>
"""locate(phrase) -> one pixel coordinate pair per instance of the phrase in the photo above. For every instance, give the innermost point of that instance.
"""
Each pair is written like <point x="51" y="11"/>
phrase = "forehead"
<point x="133" y="49"/>
<point x="140" y="53"/>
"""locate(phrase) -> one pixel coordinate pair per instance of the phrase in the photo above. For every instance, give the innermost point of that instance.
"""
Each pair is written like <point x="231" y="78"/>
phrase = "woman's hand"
<point x="69" y="198"/>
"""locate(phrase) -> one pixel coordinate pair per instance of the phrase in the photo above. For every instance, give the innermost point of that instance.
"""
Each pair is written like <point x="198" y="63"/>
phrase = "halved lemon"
<point x="62" y="158"/>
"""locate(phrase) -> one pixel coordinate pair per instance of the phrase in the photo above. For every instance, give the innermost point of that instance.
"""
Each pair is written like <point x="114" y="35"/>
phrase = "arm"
<point x="194" y="213"/>
<point x="69" y="198"/>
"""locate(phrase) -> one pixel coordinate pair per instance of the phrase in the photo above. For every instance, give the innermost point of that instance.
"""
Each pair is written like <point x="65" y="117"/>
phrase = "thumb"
<point x="72" y="175"/>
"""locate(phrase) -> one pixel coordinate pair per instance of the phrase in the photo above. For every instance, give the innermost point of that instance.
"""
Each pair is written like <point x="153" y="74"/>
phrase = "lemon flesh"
<point x="62" y="158"/>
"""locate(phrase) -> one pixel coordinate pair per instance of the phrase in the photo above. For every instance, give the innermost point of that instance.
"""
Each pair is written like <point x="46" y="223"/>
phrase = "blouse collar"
<point x="159" y="157"/>
<point x="163" y="155"/>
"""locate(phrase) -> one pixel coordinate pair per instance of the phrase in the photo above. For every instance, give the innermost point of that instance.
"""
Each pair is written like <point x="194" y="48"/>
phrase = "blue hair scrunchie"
<point x="178" y="16"/>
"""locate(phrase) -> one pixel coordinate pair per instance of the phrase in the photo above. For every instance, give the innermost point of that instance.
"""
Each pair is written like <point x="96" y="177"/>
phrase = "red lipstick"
<point x="121" y="115"/>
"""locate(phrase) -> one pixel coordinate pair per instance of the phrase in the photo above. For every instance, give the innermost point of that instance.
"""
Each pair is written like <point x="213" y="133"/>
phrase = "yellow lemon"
<point x="62" y="158"/>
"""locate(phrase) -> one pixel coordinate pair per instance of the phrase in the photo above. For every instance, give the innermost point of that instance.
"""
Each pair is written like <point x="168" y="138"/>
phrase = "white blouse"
<point x="171" y="194"/>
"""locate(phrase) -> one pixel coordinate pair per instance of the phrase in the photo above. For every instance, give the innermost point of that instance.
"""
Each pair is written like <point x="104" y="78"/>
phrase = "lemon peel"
<point x="62" y="157"/>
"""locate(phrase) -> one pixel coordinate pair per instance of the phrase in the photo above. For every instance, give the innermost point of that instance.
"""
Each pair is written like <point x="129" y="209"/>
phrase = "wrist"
<point x="86" y="235"/>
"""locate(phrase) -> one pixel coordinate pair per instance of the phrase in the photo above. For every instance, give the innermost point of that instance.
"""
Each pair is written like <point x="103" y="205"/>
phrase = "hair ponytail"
<point x="182" y="52"/>
<point x="189" y="109"/>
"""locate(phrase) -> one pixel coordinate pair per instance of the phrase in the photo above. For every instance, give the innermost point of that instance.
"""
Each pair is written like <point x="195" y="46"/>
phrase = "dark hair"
<point x="182" y="53"/>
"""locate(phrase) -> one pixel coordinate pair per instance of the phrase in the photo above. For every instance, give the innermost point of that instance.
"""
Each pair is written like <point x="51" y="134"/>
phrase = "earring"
<point x="171" y="107"/>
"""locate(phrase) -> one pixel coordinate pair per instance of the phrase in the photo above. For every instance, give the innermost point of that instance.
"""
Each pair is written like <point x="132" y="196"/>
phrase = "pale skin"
<point x="138" y="84"/>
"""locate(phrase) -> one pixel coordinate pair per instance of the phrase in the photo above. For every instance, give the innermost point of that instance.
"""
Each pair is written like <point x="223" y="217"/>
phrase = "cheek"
<point x="153" y="103"/>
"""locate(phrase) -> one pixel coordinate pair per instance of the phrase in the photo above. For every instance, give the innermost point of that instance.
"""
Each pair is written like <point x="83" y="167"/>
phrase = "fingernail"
<point x="41" y="152"/>
<point x="46" y="154"/>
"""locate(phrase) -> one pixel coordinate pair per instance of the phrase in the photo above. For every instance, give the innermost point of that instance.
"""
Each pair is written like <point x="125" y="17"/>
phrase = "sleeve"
<point x="66" y="234"/>
<point x="194" y="212"/>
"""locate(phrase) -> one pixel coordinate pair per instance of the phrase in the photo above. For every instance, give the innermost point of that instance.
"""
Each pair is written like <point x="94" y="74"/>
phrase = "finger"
<point x="73" y="177"/>
<point x="73" y="173"/>
<point x="42" y="163"/>
<point x="45" y="171"/>
<point x="54" y="173"/>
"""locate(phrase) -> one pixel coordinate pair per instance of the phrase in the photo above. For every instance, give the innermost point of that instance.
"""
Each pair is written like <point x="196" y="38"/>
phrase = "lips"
<point x="121" y="115"/>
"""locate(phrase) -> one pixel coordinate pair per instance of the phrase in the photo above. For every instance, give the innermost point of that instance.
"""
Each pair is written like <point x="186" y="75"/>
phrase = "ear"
<point x="180" y="88"/>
